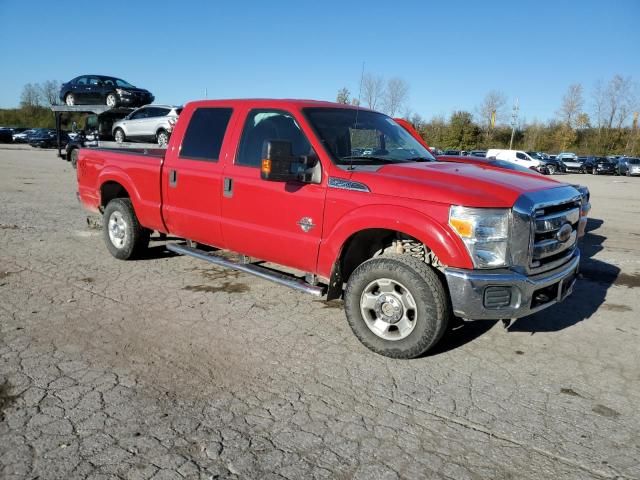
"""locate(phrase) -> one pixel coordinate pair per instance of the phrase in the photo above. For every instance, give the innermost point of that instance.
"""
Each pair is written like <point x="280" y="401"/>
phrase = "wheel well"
<point x="365" y="244"/>
<point x="111" y="190"/>
<point x="161" y="129"/>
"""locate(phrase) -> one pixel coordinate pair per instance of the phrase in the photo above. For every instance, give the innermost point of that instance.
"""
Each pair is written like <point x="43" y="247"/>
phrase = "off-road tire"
<point x="433" y="307"/>
<point x="73" y="157"/>
<point x="137" y="237"/>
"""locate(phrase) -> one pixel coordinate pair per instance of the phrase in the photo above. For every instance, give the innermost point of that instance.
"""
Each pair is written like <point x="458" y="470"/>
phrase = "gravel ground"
<point x="170" y="368"/>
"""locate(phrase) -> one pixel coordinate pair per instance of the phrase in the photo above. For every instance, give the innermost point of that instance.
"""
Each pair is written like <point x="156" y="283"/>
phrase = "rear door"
<point x="192" y="176"/>
<point x="280" y="222"/>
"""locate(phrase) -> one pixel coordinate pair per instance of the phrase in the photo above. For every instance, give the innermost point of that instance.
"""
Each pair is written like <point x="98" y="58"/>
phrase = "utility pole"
<point x="514" y="122"/>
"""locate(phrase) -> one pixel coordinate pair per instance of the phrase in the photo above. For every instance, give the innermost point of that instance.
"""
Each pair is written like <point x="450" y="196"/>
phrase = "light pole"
<point x="514" y="121"/>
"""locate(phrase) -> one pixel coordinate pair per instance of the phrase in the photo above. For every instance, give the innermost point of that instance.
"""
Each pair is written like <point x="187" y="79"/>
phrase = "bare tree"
<point x="494" y="101"/>
<point x="599" y="103"/>
<point x="343" y="95"/>
<point x="30" y="96"/>
<point x="49" y="90"/>
<point x="372" y="90"/>
<point x="572" y="104"/>
<point x="619" y="101"/>
<point x="396" y="96"/>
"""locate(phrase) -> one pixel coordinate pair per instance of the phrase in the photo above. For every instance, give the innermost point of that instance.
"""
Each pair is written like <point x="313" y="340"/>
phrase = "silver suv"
<point x="149" y="123"/>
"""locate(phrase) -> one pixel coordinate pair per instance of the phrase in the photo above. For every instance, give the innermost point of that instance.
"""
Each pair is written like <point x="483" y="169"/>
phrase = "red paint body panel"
<point x="261" y="218"/>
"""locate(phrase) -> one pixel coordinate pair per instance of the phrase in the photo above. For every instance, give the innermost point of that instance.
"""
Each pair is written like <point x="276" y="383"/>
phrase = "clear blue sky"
<point x="450" y="52"/>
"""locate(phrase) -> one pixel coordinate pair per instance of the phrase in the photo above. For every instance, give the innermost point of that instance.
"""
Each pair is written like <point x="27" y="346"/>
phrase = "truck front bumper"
<point x="478" y="295"/>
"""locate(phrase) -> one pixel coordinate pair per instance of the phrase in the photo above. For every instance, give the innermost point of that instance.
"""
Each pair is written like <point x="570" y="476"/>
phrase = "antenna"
<point x="357" y="111"/>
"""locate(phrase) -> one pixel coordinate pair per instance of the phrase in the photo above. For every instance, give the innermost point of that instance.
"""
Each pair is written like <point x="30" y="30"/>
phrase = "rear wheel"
<point x="70" y="100"/>
<point x="397" y="306"/>
<point x="111" y="100"/>
<point x="119" y="135"/>
<point x="124" y="236"/>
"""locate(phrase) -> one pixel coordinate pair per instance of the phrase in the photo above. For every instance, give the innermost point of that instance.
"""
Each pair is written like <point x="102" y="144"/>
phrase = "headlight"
<point x="485" y="233"/>
<point x="120" y="91"/>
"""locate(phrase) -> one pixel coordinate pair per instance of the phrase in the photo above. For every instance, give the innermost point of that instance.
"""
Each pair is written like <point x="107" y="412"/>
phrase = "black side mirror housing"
<point x="277" y="161"/>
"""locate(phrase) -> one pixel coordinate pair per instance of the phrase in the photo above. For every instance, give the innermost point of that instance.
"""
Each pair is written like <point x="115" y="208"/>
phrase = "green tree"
<point x="462" y="132"/>
<point x="343" y="95"/>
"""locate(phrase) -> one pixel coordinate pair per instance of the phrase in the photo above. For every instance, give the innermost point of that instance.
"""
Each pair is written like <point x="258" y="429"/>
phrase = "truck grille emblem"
<point x="564" y="233"/>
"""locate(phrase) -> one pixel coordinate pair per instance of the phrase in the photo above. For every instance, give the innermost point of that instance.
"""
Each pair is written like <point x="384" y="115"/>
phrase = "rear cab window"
<point x="205" y="133"/>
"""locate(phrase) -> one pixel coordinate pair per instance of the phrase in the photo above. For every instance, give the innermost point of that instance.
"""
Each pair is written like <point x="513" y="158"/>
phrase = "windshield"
<point x="356" y="137"/>
<point x="122" y="83"/>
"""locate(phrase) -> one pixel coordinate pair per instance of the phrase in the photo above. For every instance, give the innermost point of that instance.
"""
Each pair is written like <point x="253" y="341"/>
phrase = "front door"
<point x="280" y="222"/>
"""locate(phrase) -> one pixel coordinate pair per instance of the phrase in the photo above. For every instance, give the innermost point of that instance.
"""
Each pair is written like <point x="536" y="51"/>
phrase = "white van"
<point x="514" y="156"/>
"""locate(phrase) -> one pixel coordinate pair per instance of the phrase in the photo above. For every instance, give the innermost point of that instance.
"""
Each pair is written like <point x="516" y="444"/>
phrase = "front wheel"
<point x="124" y="236"/>
<point x="552" y="169"/>
<point x="397" y="306"/>
<point x="162" y="138"/>
<point x="111" y="100"/>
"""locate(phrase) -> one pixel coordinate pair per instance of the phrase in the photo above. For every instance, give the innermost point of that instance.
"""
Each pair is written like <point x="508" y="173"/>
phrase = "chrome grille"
<point x="553" y="243"/>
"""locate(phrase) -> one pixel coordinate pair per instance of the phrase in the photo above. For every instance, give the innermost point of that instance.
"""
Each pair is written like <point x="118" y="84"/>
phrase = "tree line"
<point x="604" y="123"/>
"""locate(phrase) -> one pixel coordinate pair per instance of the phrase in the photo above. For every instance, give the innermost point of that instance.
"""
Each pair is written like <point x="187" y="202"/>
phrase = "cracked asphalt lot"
<point x="170" y="368"/>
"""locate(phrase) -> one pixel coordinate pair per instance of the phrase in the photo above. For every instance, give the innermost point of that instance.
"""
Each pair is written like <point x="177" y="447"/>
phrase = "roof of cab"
<point x="272" y="103"/>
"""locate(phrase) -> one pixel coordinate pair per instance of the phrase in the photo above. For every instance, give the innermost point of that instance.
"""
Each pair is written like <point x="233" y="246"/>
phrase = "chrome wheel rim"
<point x="552" y="169"/>
<point x="70" y="100"/>
<point x="111" y="101"/>
<point x="119" y="136"/>
<point x="162" y="139"/>
<point x="388" y="309"/>
<point x="118" y="231"/>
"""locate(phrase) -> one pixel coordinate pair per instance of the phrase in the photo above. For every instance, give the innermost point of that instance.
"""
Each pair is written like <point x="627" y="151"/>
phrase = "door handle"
<point x="227" y="188"/>
<point x="173" y="178"/>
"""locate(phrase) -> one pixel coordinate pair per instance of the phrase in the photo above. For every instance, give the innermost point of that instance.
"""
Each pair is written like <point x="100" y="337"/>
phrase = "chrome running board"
<point x="261" y="272"/>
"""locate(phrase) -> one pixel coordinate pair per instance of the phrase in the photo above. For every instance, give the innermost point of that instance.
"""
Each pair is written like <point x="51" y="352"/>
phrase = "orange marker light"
<point x="463" y="227"/>
<point x="266" y="166"/>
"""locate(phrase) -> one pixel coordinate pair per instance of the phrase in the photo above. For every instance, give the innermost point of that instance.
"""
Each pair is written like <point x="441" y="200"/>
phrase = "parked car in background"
<point x="574" y="165"/>
<point x="22" y="137"/>
<point x="553" y="165"/>
<point x="599" y="166"/>
<point x="492" y="163"/>
<point x="452" y="152"/>
<point x="628" y="166"/>
<point x="47" y="138"/>
<point x="478" y="153"/>
<point x="103" y="90"/>
<point x="518" y="157"/>
<point x="6" y="135"/>
<point x="149" y="123"/>
<point x="566" y="156"/>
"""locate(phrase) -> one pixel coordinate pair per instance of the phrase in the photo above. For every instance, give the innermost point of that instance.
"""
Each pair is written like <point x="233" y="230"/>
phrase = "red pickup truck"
<point x="350" y="205"/>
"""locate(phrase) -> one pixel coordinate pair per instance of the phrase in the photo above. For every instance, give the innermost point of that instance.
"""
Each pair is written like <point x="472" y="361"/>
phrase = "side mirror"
<point x="279" y="164"/>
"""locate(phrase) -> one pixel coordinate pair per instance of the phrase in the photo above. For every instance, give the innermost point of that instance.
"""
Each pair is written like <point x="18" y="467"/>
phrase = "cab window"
<point x="264" y="125"/>
<point x="205" y="133"/>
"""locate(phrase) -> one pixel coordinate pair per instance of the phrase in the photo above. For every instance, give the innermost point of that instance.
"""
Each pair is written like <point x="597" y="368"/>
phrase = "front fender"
<point x="448" y="247"/>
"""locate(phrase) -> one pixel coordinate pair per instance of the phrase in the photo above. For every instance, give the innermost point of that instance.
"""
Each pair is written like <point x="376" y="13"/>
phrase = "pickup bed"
<point x="354" y="206"/>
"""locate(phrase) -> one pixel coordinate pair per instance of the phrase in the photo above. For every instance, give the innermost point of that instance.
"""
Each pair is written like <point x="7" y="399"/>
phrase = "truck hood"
<point x="454" y="183"/>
